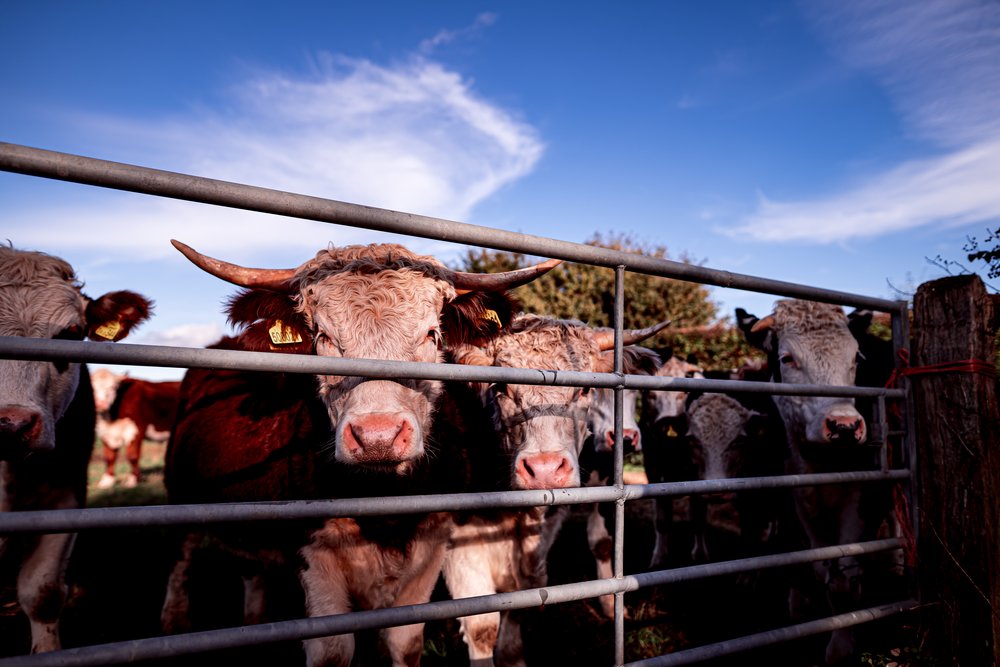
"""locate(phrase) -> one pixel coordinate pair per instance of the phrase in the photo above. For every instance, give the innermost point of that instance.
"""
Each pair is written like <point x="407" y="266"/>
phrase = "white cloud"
<point x="938" y="63"/>
<point x="449" y="36"/>
<point x="185" y="335"/>
<point x="957" y="189"/>
<point x="412" y="137"/>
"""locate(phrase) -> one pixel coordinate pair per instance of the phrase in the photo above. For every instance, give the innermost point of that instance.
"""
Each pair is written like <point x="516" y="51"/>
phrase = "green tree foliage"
<point x="586" y="293"/>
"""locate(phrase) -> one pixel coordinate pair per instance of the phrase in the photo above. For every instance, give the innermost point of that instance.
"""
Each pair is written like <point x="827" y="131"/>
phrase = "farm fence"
<point x="84" y="170"/>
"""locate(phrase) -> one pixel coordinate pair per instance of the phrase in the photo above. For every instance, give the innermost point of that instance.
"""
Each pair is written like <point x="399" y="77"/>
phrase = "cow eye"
<point x="434" y="336"/>
<point x="499" y="388"/>
<point x="788" y="360"/>
<point x="690" y="374"/>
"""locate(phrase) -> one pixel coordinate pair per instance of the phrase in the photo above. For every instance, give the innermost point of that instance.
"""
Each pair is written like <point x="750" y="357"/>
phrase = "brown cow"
<point x="130" y="410"/>
<point x="371" y="438"/>
<point x="542" y="430"/>
<point x="47" y="418"/>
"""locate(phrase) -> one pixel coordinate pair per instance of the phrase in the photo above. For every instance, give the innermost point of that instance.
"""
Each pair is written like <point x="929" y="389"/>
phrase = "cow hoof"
<point x="107" y="481"/>
<point x="131" y="482"/>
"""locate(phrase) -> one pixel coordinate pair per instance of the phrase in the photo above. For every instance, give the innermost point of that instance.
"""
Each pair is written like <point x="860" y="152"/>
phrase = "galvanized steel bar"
<point x="770" y="637"/>
<point x="43" y="349"/>
<point x="103" y="173"/>
<point x="177" y="645"/>
<point x="618" y="554"/>
<point x="74" y="520"/>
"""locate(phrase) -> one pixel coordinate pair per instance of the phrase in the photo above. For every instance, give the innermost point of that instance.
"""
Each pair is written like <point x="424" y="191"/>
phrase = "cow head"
<point x="664" y="410"/>
<point x="379" y="302"/>
<point x="809" y="343"/>
<point x="721" y="431"/>
<point x="40" y="297"/>
<point x="601" y="418"/>
<point x="105" y="384"/>
<point x="543" y="427"/>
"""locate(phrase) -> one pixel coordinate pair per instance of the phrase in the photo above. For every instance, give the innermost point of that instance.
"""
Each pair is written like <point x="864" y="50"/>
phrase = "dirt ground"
<point x="117" y="581"/>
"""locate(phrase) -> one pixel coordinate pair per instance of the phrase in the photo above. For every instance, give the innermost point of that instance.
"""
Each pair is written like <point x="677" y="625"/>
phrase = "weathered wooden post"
<point x="958" y="444"/>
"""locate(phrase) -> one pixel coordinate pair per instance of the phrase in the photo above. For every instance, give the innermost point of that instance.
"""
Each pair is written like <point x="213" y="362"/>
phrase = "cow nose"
<point x="20" y="424"/>
<point x="549" y="470"/>
<point x="630" y="438"/>
<point x="378" y="437"/>
<point x="845" y="429"/>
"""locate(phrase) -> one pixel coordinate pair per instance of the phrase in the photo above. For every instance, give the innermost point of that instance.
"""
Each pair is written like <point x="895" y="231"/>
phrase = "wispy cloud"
<point x="938" y="63"/>
<point x="449" y="36"/>
<point x="413" y="136"/>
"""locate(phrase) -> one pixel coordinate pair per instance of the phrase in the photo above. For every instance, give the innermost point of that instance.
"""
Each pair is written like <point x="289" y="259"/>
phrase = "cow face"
<point x="543" y="428"/>
<point x="40" y="297"/>
<point x="105" y="384"/>
<point x="664" y="410"/>
<point x="720" y="432"/>
<point x="810" y="343"/>
<point x="601" y="418"/>
<point x="379" y="302"/>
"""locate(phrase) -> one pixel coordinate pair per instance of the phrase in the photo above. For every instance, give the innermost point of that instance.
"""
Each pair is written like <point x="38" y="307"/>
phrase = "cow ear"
<point x="858" y="321"/>
<point x="475" y="318"/>
<point x="762" y="338"/>
<point x="115" y="314"/>
<point x="639" y="360"/>
<point x="270" y="322"/>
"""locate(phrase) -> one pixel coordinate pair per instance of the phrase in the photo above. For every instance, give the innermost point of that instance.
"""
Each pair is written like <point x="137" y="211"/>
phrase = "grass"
<point x="150" y="490"/>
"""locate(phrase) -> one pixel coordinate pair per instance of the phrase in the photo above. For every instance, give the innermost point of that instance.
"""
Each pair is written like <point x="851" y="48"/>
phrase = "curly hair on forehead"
<point x="371" y="258"/>
<point x="25" y="267"/>
<point x="799" y="315"/>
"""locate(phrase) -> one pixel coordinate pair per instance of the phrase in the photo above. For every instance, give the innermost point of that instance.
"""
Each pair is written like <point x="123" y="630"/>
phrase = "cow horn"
<point x="273" y="279"/>
<point x="606" y="339"/>
<point x="498" y="282"/>
<point x="762" y="325"/>
<point x="469" y="355"/>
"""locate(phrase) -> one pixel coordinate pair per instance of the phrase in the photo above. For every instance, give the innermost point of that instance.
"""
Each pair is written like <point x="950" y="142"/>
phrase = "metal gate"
<point x="48" y="164"/>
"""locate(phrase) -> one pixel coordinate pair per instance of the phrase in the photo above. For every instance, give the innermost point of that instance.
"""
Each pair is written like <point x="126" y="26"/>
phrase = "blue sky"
<point x="834" y="143"/>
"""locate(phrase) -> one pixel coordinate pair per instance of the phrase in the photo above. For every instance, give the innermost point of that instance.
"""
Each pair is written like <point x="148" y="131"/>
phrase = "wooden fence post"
<point x="958" y="445"/>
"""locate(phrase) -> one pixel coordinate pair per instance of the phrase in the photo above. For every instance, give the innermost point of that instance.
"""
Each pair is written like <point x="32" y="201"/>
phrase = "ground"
<point x="117" y="581"/>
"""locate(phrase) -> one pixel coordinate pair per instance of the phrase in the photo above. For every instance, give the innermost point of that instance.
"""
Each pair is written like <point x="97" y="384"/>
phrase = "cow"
<point x="542" y="431"/>
<point x="663" y="424"/>
<point x="597" y="457"/>
<point x="47" y="419"/>
<point x="728" y="436"/>
<point x="130" y="410"/>
<point x="252" y="436"/>
<point x="810" y="343"/>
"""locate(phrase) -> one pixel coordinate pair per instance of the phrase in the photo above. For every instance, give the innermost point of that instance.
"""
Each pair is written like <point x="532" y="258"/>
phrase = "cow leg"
<point x="699" y="528"/>
<point x="406" y="642"/>
<point x="132" y="453"/>
<point x="466" y="571"/>
<point x="253" y="599"/>
<point x="41" y="588"/>
<point x="601" y="546"/>
<point x="323" y="580"/>
<point x="510" y="645"/>
<point x="175" y="615"/>
<point x="662" y="523"/>
<point x="110" y="458"/>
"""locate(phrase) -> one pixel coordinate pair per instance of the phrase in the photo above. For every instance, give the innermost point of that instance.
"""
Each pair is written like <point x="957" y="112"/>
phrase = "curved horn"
<point x="606" y="339"/>
<point x="498" y="282"/>
<point x="761" y="325"/>
<point x="274" y="279"/>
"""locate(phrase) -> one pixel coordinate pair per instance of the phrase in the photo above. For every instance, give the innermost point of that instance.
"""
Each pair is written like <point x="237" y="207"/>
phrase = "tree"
<point x="991" y="256"/>
<point x="587" y="293"/>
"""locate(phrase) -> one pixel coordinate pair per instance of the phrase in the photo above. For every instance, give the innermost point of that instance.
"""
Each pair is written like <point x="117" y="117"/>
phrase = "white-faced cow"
<point x="597" y="457"/>
<point x="129" y="411"/>
<point x="47" y="418"/>
<point x="542" y="431"/>
<point x="378" y="437"/>
<point x="663" y="423"/>
<point x="810" y="343"/>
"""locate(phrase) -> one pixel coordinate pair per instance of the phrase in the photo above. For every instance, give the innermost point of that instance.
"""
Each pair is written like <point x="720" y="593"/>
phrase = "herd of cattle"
<point x="251" y="436"/>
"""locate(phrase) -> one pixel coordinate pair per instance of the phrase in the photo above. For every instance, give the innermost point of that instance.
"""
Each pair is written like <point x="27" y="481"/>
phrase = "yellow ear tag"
<point x="491" y="316"/>
<point x="283" y="335"/>
<point x="108" y="330"/>
<point x="671" y="433"/>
